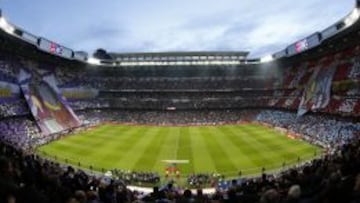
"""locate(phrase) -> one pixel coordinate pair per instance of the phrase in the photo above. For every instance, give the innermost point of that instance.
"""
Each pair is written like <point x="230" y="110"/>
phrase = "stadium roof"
<point x="178" y="58"/>
<point x="206" y="55"/>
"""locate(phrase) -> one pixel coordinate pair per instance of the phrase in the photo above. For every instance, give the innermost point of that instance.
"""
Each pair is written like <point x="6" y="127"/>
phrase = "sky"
<point x="260" y="27"/>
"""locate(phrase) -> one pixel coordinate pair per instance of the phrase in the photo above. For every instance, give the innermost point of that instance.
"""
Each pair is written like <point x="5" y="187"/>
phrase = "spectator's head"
<point x="294" y="192"/>
<point x="270" y="196"/>
<point x="357" y="184"/>
<point x="80" y="196"/>
<point x="72" y="200"/>
<point x="199" y="192"/>
<point x="187" y="193"/>
<point x="6" y="167"/>
<point x="10" y="199"/>
<point x="91" y="196"/>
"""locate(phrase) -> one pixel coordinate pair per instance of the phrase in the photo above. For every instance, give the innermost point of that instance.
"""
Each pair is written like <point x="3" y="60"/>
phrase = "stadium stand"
<point x="197" y="95"/>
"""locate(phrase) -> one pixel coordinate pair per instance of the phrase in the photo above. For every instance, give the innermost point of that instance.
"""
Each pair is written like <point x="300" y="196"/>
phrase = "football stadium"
<point x="181" y="126"/>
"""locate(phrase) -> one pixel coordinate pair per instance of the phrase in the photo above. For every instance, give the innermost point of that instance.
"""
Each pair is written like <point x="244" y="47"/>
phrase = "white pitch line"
<point x="176" y="161"/>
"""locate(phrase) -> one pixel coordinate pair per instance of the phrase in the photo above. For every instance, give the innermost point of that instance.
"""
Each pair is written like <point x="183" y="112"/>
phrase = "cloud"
<point x="88" y="38"/>
<point x="189" y="25"/>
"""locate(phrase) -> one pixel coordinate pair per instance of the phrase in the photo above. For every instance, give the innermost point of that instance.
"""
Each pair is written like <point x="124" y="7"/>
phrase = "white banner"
<point x="316" y="94"/>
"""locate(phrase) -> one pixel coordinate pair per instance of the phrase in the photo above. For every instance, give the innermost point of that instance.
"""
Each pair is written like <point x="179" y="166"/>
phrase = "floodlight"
<point x="352" y="18"/>
<point x="266" y="59"/>
<point x="93" y="61"/>
<point x="6" y="26"/>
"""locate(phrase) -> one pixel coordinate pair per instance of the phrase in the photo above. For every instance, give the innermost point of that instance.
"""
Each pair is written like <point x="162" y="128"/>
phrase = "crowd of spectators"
<point x="166" y="117"/>
<point x="23" y="133"/>
<point x="182" y="104"/>
<point x="193" y="88"/>
<point x="204" y="180"/>
<point x="152" y="78"/>
<point x="15" y="107"/>
<point x="28" y="178"/>
<point x="172" y="83"/>
<point x="183" y="88"/>
<point x="20" y="132"/>
<point x="320" y="129"/>
<point x="78" y="105"/>
<point x="8" y="69"/>
<point x="135" y="177"/>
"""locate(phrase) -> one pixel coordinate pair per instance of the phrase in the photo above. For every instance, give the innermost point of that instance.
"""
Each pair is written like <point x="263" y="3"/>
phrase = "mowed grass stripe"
<point x="288" y="150"/>
<point x="268" y="145"/>
<point x="91" y="140"/>
<point x="239" y="138"/>
<point x="202" y="158"/>
<point x="235" y="153"/>
<point x="132" y="156"/>
<point x="166" y="150"/>
<point x="148" y="159"/>
<point x="116" y="149"/>
<point x="218" y="156"/>
<point x="278" y="144"/>
<point x="99" y="156"/>
<point x="79" y="140"/>
<point x="114" y="137"/>
<point x="175" y="131"/>
<point x="269" y="134"/>
<point x="73" y="145"/>
<point x="185" y="151"/>
<point x="260" y="152"/>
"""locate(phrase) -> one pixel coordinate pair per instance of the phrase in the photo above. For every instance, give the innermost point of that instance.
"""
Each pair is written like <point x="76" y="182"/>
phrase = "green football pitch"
<point x="224" y="149"/>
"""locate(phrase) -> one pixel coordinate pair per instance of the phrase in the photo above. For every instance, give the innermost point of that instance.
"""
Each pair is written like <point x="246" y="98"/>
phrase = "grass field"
<point x="224" y="149"/>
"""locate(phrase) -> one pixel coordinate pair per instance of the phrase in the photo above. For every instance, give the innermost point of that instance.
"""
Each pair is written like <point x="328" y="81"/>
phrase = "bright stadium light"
<point x="6" y="26"/>
<point x="266" y="59"/>
<point x="93" y="61"/>
<point x="352" y="18"/>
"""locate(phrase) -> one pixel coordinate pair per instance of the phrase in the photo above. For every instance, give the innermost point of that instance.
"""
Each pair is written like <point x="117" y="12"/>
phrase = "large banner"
<point x="48" y="106"/>
<point x="316" y="94"/>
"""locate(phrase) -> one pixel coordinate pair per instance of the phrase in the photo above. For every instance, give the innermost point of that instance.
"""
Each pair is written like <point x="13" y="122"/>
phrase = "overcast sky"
<point x="261" y="27"/>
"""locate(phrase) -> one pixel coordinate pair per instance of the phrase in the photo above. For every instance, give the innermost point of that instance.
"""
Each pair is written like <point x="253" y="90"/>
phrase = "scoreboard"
<point x="54" y="48"/>
<point x="304" y="44"/>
